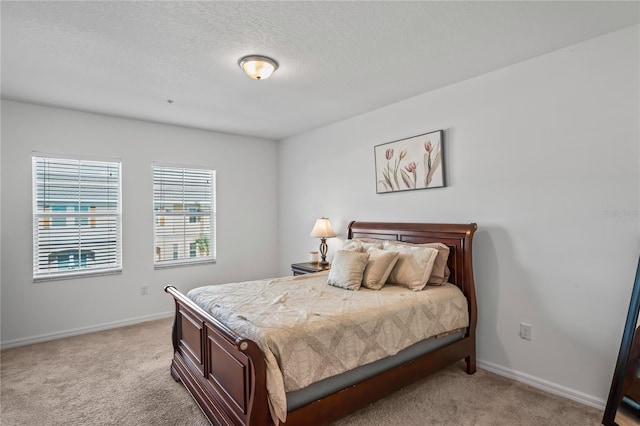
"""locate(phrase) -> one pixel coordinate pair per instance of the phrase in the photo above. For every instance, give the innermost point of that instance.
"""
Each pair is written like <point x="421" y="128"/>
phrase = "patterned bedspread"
<point x="309" y="330"/>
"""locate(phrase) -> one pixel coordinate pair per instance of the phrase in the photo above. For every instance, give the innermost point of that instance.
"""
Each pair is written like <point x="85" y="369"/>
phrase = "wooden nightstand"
<point x="308" y="268"/>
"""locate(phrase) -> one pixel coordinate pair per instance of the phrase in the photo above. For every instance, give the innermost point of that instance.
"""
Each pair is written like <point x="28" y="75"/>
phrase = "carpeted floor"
<point x="121" y="377"/>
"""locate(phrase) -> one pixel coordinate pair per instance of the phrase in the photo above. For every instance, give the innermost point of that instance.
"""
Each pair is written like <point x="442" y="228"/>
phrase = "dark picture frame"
<point x="412" y="163"/>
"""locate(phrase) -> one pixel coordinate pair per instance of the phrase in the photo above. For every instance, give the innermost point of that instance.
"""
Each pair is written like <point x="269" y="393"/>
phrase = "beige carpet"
<point x="121" y="377"/>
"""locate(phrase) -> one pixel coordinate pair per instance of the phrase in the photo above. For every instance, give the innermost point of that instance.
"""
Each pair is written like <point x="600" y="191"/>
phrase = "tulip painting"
<point x="412" y="163"/>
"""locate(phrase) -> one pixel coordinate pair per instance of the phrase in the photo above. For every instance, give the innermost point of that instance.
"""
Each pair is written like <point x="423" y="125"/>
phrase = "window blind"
<point x="184" y="215"/>
<point x="77" y="217"/>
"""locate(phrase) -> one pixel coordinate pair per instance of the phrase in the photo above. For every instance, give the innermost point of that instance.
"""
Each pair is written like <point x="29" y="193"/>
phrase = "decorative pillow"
<point x="362" y="243"/>
<point x="353" y="245"/>
<point x="347" y="269"/>
<point x="379" y="266"/>
<point x="414" y="265"/>
<point x="370" y="242"/>
<point x="440" y="273"/>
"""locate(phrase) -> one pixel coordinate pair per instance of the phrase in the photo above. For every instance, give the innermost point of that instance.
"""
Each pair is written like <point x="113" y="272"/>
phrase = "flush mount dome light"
<point x="258" y="67"/>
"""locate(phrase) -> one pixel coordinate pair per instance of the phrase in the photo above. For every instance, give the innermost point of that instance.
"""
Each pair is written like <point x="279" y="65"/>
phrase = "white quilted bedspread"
<point x="309" y="330"/>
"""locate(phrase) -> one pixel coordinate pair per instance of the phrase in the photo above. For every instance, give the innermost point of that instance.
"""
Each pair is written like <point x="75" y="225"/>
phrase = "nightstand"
<point x="308" y="268"/>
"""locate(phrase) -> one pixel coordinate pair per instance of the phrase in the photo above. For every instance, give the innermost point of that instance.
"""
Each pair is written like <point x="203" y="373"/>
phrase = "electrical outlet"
<point x="526" y="331"/>
<point x="144" y="290"/>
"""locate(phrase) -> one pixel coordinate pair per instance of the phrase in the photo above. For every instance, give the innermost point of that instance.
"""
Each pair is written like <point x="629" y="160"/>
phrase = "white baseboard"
<point x="84" y="330"/>
<point x="543" y="385"/>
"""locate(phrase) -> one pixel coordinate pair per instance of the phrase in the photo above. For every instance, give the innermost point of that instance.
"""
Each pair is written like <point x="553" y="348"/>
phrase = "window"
<point x="184" y="211"/>
<point x="77" y="217"/>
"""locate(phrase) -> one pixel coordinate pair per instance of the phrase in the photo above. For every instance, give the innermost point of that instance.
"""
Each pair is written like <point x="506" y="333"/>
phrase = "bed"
<point x="225" y="372"/>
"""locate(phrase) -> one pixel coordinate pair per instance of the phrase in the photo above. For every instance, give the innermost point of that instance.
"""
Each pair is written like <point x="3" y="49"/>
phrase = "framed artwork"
<point x="412" y="163"/>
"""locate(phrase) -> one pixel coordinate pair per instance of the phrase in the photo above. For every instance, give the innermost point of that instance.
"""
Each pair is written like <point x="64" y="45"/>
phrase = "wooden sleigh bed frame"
<point x="226" y="374"/>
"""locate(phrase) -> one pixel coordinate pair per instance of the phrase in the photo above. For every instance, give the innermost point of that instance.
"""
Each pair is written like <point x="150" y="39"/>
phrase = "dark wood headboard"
<point x="458" y="237"/>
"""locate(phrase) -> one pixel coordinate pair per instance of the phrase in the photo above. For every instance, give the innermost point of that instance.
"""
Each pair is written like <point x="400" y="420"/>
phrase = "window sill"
<point x="74" y="275"/>
<point x="181" y="263"/>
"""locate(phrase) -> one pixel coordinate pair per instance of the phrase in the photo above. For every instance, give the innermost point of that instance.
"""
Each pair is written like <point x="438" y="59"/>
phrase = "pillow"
<point x="414" y="265"/>
<point x="371" y="242"/>
<point x="362" y="243"/>
<point x="378" y="268"/>
<point x="441" y="272"/>
<point x="347" y="269"/>
<point x="353" y="245"/>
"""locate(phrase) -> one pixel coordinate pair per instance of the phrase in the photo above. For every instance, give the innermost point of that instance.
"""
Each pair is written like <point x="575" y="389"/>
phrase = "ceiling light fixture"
<point x="258" y="67"/>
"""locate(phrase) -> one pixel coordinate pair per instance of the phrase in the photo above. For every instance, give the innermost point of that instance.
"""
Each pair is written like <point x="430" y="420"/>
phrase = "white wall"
<point x="544" y="156"/>
<point x="246" y="218"/>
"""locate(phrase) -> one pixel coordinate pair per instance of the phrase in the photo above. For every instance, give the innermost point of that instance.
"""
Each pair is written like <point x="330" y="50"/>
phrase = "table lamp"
<point x="323" y="230"/>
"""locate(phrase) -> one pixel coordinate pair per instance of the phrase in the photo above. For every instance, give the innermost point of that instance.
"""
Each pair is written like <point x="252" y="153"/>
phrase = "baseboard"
<point x="543" y="385"/>
<point x="77" y="331"/>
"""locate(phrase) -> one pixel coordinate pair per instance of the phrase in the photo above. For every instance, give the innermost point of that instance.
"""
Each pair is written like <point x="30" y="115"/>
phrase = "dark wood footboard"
<point x="226" y="373"/>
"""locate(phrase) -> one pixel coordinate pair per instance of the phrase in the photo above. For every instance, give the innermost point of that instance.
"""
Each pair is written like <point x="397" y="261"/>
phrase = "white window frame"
<point x="80" y="217"/>
<point x="159" y="220"/>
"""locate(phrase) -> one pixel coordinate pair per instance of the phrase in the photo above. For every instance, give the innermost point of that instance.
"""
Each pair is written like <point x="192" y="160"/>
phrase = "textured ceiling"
<point x="337" y="59"/>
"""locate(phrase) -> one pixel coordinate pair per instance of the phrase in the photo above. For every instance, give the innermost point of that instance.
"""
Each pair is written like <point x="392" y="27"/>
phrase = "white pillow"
<point x="352" y="245"/>
<point x="362" y="244"/>
<point x="414" y="265"/>
<point x="370" y="242"/>
<point x="441" y="272"/>
<point x="379" y="266"/>
<point x="347" y="269"/>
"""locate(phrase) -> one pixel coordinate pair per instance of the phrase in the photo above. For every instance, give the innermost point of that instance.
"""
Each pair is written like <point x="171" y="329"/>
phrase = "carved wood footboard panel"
<point x="226" y="374"/>
<point x="223" y="372"/>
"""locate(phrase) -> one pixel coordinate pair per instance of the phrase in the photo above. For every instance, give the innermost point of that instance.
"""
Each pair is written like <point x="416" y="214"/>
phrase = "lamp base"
<point x="323" y="252"/>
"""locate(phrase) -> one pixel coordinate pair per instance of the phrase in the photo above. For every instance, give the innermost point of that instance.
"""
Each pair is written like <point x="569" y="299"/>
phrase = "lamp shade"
<point x="322" y="229"/>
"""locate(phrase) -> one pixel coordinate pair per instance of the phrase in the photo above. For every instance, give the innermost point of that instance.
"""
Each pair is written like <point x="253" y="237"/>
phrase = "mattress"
<point x="325" y="387"/>
<point x="310" y="331"/>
